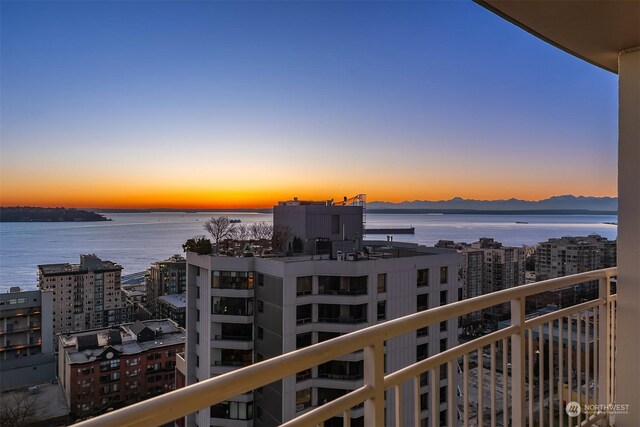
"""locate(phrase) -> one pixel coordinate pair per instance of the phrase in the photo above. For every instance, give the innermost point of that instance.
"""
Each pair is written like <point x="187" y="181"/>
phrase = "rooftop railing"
<point x="536" y="363"/>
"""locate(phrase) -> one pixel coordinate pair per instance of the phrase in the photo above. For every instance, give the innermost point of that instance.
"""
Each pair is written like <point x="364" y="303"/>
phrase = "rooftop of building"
<point x="356" y="200"/>
<point x="173" y="259"/>
<point x="175" y="300"/>
<point x="580" y="240"/>
<point x="128" y="339"/>
<point x="87" y="263"/>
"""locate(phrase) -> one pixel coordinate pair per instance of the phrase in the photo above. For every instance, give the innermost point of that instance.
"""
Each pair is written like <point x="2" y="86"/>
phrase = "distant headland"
<point x="33" y="214"/>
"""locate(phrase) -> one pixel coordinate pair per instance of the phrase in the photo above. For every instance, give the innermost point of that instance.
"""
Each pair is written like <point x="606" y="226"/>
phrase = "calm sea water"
<point x="135" y="240"/>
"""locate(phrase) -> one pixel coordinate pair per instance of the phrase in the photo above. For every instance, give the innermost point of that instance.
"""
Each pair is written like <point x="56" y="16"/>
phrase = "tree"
<point x="220" y="228"/>
<point x="18" y="409"/>
<point x="198" y="244"/>
<point x="261" y="231"/>
<point x="241" y="232"/>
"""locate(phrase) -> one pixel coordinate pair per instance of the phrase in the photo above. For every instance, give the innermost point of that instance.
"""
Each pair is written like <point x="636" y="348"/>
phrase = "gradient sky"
<point x="236" y="104"/>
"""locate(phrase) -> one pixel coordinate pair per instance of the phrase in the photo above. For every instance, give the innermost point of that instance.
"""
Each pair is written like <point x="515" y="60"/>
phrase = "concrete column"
<point x="628" y="322"/>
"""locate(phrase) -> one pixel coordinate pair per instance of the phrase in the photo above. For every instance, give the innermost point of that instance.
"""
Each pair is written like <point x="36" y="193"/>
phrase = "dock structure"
<point x="407" y="230"/>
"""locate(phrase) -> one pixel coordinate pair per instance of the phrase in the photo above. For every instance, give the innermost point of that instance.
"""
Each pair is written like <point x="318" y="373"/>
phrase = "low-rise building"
<point x="113" y="367"/>
<point x="166" y="277"/>
<point x="173" y="307"/>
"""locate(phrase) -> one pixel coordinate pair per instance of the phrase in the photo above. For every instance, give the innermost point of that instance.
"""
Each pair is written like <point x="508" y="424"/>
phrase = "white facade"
<point x="284" y="303"/>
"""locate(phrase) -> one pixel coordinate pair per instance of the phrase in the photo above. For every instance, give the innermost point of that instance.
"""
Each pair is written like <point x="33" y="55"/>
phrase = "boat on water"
<point x="235" y="221"/>
<point x="610" y="223"/>
<point x="522" y="222"/>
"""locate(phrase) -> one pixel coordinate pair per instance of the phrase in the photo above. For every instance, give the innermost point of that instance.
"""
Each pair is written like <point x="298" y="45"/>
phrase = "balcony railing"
<point x="539" y="363"/>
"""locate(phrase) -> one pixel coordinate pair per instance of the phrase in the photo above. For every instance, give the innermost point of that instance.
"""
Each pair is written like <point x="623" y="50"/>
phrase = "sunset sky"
<point x="240" y="104"/>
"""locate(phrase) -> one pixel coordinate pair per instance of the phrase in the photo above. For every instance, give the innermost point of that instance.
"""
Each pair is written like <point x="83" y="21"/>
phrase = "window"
<point x="423" y="332"/>
<point x="197" y="338"/>
<point x="303" y="399"/>
<point x="443" y="297"/>
<point x="335" y="224"/>
<point x="443" y="344"/>
<point x="382" y="310"/>
<point x="233" y="410"/>
<point x="303" y="314"/>
<point x="422" y="302"/>
<point x="422" y="351"/>
<point x="443" y="326"/>
<point x="232" y="306"/>
<point x="232" y="279"/>
<point x="303" y="340"/>
<point x="197" y="315"/>
<point x="382" y="283"/>
<point x="260" y="306"/>
<point x="303" y="285"/>
<point x="260" y="333"/>
<point x="423" y="277"/>
<point x="443" y="275"/>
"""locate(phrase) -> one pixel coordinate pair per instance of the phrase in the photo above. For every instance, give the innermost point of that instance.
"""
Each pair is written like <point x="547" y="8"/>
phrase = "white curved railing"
<point x="582" y="370"/>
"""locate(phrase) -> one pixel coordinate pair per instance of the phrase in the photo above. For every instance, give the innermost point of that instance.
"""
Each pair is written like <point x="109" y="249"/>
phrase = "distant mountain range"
<point x="555" y="203"/>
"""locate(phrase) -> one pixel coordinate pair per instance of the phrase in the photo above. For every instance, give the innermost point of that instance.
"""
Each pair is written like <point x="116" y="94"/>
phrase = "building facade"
<point x="85" y="295"/>
<point x="114" y="367"/>
<point x="487" y="267"/>
<point x="166" y="277"/>
<point x="572" y="255"/>
<point x="26" y="339"/>
<point x="173" y="307"/>
<point x="247" y="309"/>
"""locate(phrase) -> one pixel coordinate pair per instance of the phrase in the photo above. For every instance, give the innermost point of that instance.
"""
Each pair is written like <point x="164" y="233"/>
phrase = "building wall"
<point x="91" y="388"/>
<point x="85" y="299"/>
<point x="277" y="297"/>
<point x="25" y="324"/>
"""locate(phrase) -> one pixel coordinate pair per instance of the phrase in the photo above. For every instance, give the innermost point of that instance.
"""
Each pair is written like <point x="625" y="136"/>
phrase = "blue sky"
<point x="229" y="103"/>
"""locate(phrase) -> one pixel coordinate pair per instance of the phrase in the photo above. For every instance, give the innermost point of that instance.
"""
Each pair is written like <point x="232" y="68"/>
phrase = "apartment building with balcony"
<point x="166" y="277"/>
<point x="26" y="338"/>
<point x="563" y="256"/>
<point x="85" y="295"/>
<point x="488" y="266"/>
<point x="569" y="255"/>
<point x="113" y="367"/>
<point x="249" y="309"/>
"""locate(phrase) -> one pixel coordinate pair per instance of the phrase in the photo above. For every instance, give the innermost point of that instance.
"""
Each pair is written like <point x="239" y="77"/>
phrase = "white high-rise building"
<point x="244" y="309"/>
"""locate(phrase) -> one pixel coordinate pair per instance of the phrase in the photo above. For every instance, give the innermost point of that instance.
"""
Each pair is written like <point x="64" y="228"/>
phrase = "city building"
<point x="135" y="299"/>
<point x="245" y="309"/>
<point x="317" y="227"/>
<point x="85" y="295"/>
<point x="173" y="307"/>
<point x="572" y="255"/>
<point x="166" y="277"/>
<point x="26" y="338"/>
<point x="488" y="266"/>
<point x="112" y="367"/>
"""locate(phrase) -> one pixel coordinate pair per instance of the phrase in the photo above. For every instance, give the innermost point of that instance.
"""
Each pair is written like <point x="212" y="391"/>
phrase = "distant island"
<point x="33" y="214"/>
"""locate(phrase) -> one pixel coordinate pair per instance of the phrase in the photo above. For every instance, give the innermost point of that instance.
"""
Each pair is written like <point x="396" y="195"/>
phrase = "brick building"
<point x="115" y="367"/>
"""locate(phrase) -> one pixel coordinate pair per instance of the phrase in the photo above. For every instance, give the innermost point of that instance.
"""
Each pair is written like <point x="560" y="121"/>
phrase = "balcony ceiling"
<point x="595" y="31"/>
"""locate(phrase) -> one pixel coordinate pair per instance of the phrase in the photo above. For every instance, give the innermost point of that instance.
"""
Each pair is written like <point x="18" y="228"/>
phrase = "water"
<point x="135" y="240"/>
